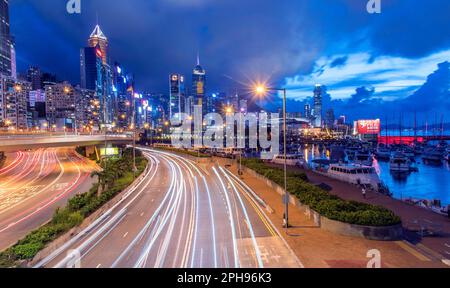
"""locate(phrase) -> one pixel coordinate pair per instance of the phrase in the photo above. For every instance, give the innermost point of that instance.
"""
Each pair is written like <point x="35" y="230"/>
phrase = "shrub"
<point x="328" y="205"/>
<point x="79" y="207"/>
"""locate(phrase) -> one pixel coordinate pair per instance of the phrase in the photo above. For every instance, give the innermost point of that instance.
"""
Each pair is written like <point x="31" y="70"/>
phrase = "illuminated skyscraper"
<point x="318" y="106"/>
<point x="198" y="85"/>
<point x="177" y="94"/>
<point x="5" y="40"/>
<point x="99" y="39"/>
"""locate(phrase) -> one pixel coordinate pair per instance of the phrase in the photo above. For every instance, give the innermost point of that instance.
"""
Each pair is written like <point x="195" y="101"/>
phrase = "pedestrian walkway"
<point x="317" y="248"/>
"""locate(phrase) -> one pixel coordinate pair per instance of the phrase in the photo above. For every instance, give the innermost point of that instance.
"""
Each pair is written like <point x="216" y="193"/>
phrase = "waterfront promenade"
<point x="317" y="248"/>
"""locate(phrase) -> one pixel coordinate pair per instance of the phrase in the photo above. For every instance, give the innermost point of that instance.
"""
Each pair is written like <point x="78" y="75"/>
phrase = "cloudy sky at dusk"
<point x="294" y="43"/>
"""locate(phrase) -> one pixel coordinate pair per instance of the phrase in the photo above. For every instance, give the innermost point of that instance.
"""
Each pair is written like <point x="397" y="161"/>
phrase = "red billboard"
<point x="365" y="127"/>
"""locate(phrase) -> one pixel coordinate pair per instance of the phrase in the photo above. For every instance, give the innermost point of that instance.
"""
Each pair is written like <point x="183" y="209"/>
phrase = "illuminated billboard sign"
<point x="365" y="127"/>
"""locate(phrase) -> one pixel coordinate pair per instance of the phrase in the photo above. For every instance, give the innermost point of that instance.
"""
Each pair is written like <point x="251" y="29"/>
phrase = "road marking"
<point x="413" y="251"/>
<point x="125" y="235"/>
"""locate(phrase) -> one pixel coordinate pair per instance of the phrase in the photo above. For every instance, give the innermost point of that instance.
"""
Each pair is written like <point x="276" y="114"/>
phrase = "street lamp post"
<point x="261" y="90"/>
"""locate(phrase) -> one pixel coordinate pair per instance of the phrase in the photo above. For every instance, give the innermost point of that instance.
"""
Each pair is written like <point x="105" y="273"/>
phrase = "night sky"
<point x="382" y="59"/>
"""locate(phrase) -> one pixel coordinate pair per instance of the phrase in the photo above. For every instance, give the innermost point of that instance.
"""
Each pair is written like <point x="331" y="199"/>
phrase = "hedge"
<point x="184" y="151"/>
<point x="77" y="209"/>
<point x="325" y="204"/>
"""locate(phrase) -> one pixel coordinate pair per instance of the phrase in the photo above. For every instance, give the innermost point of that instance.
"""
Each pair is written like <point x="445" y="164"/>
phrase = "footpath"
<point x="317" y="248"/>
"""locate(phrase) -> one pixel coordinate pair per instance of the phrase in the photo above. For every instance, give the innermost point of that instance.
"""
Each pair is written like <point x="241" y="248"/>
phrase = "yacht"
<point x="383" y="153"/>
<point x="434" y="155"/>
<point x="291" y="160"/>
<point x="408" y="152"/>
<point x="400" y="163"/>
<point x="355" y="174"/>
<point x="363" y="157"/>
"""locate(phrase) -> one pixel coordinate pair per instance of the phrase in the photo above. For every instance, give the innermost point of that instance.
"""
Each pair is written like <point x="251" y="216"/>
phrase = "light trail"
<point x="233" y="228"/>
<point x="249" y="223"/>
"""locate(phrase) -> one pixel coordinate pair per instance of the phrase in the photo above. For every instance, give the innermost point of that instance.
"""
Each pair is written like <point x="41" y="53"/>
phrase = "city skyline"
<point x="362" y="33"/>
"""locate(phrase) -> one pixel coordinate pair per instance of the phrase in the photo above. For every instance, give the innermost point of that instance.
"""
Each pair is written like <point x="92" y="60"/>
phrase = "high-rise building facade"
<point x="199" y="85"/>
<point x="97" y="74"/>
<point x="318" y="106"/>
<point x="307" y="111"/>
<point x="177" y="94"/>
<point x="15" y="101"/>
<point x="98" y="39"/>
<point x="34" y="75"/>
<point x="330" y="118"/>
<point x="90" y="62"/>
<point x="5" y="40"/>
<point x="60" y="105"/>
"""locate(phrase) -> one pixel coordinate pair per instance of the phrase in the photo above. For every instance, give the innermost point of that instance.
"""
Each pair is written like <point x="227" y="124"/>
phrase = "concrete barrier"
<point x="387" y="233"/>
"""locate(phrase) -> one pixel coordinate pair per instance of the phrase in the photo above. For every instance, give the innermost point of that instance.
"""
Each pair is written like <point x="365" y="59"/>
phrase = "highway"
<point x="13" y="143"/>
<point x="179" y="214"/>
<point x="33" y="184"/>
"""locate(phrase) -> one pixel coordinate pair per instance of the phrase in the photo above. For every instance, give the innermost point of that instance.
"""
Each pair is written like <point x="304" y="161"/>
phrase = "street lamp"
<point x="261" y="90"/>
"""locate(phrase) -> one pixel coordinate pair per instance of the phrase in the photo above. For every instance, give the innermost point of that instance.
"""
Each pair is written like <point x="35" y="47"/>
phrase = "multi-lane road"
<point x="33" y="184"/>
<point x="179" y="214"/>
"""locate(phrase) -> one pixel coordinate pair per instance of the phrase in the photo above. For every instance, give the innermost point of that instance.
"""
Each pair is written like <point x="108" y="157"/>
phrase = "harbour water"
<point x="431" y="182"/>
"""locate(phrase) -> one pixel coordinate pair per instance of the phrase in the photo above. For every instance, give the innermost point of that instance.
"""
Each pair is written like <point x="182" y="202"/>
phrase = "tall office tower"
<point x="2" y="92"/>
<point x="34" y="75"/>
<point x="318" y="106"/>
<point x="60" y="105"/>
<point x="122" y="97"/>
<point x="90" y="63"/>
<point x="13" y="62"/>
<point x="5" y="40"/>
<point x="99" y="39"/>
<point x="189" y="105"/>
<point x="307" y="111"/>
<point x="198" y="85"/>
<point x="177" y="94"/>
<point x="243" y="106"/>
<point x="330" y="118"/>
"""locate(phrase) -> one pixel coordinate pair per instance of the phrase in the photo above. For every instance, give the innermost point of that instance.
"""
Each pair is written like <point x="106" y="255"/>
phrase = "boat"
<point x="408" y="152"/>
<point x="400" y="163"/>
<point x="434" y="155"/>
<point x="291" y="160"/>
<point x="355" y="174"/>
<point x="383" y="153"/>
<point x="363" y="157"/>
<point x="447" y="155"/>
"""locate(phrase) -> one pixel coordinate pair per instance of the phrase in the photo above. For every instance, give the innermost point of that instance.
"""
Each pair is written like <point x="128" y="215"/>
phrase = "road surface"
<point x="180" y="214"/>
<point x="33" y="184"/>
<point x="13" y="143"/>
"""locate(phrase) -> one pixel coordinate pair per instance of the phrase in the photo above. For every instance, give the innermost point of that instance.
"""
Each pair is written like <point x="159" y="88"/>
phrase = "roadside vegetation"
<point x="319" y="200"/>
<point x="184" y="151"/>
<point x="117" y="176"/>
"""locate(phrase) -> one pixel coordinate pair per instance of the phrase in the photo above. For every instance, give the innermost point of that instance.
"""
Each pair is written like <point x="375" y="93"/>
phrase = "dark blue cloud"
<point x="244" y="39"/>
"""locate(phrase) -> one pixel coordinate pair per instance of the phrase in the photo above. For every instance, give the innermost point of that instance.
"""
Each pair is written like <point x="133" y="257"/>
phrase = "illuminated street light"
<point x="262" y="90"/>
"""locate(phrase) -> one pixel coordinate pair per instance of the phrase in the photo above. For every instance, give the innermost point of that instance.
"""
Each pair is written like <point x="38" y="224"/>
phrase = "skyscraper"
<point x="60" y="105"/>
<point x="99" y="39"/>
<point x="34" y="75"/>
<point x="198" y="85"/>
<point x="90" y="58"/>
<point x="330" y="118"/>
<point x="318" y="106"/>
<point x="5" y="40"/>
<point x="177" y="94"/>
<point x="307" y="111"/>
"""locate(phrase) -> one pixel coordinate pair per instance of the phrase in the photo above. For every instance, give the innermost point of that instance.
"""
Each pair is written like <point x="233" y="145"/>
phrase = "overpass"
<point x="14" y="143"/>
